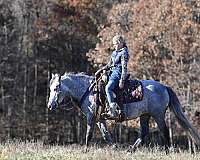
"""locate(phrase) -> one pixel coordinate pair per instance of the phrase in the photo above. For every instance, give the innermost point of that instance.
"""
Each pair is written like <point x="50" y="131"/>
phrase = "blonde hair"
<point x="118" y="39"/>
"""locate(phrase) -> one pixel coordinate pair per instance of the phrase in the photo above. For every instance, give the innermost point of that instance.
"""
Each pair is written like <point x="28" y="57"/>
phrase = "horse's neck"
<point x="78" y="87"/>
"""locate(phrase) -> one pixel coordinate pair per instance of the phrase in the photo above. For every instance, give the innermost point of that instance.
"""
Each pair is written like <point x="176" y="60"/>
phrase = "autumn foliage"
<point x="163" y="41"/>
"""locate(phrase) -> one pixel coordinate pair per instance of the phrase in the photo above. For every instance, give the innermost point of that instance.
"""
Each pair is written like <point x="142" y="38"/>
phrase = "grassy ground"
<point x="38" y="151"/>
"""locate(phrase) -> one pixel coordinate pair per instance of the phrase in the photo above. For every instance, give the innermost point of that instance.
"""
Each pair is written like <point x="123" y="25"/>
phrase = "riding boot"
<point x="112" y="113"/>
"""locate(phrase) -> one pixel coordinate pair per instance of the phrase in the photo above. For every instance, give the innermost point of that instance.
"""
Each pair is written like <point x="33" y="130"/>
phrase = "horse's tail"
<point x="175" y="106"/>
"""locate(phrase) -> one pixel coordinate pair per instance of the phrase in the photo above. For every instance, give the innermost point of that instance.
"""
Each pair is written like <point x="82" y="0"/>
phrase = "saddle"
<point x="132" y="92"/>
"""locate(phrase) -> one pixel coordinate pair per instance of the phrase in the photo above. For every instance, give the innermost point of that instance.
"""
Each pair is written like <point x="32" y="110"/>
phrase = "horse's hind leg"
<point x="144" y="137"/>
<point x="144" y="126"/>
<point x="164" y="130"/>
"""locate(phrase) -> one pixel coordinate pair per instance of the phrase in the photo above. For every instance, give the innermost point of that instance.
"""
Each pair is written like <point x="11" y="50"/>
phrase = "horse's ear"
<point x="57" y="75"/>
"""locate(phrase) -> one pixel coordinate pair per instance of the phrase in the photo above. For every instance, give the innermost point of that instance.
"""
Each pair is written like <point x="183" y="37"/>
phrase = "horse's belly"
<point x="135" y="109"/>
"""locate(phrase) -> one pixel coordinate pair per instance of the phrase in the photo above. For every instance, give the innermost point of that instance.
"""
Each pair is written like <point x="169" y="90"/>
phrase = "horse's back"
<point x="152" y="84"/>
<point x="156" y="92"/>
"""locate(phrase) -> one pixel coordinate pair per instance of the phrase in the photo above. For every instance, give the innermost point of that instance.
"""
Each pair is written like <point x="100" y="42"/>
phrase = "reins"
<point x="90" y="88"/>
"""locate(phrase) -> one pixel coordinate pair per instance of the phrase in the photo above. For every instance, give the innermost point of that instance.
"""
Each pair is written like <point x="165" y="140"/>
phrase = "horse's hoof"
<point x="132" y="148"/>
<point x="114" y="146"/>
<point x="137" y="143"/>
<point x="86" y="150"/>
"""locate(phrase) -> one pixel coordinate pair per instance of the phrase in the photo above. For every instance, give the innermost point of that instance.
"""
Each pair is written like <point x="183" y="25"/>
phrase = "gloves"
<point x="121" y="83"/>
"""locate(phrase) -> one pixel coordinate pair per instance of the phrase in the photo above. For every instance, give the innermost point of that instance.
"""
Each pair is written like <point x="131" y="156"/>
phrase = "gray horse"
<point x="157" y="97"/>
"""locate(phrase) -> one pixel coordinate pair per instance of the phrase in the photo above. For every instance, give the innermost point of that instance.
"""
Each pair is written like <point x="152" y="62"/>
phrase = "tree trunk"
<point x="25" y="100"/>
<point x="74" y="127"/>
<point x="35" y="112"/>
<point x="9" y="114"/>
<point x="46" y="138"/>
<point x="2" y="97"/>
<point x="120" y="133"/>
<point x="35" y="84"/>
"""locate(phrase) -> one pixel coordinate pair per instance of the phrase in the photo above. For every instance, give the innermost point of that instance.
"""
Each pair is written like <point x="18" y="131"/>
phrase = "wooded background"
<point x="40" y="37"/>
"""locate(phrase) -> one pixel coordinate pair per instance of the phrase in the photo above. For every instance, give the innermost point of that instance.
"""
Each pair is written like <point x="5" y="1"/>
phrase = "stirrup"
<point x="107" y="116"/>
<point x="112" y="113"/>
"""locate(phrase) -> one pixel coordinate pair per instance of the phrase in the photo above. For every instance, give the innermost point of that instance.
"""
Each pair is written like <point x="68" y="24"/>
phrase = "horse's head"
<point x="57" y="92"/>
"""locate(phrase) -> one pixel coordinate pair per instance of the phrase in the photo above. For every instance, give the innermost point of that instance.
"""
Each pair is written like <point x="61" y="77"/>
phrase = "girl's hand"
<point x="121" y="84"/>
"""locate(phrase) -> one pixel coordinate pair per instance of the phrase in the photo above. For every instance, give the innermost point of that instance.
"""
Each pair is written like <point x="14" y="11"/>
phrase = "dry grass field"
<point x="38" y="151"/>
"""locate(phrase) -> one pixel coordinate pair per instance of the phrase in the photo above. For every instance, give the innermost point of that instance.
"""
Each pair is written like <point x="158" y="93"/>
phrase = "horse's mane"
<point x="77" y="76"/>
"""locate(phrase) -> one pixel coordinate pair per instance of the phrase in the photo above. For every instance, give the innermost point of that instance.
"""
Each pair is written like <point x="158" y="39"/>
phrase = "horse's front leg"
<point x="90" y="127"/>
<point x="104" y="131"/>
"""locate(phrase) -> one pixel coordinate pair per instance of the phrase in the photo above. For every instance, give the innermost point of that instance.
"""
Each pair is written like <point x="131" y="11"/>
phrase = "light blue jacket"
<point x="119" y="60"/>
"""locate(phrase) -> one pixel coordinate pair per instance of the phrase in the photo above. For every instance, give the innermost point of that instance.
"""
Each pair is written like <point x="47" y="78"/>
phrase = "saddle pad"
<point x="132" y="92"/>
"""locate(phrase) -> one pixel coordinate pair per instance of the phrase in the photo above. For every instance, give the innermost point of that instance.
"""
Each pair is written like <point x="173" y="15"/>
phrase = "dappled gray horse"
<point x="156" y="99"/>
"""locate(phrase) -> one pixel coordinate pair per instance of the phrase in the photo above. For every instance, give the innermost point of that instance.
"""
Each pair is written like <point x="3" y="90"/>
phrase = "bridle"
<point x="58" y="97"/>
<point x="75" y="102"/>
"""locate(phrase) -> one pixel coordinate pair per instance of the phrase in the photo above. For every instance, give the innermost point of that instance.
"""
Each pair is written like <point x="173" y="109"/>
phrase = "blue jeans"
<point x="109" y="90"/>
